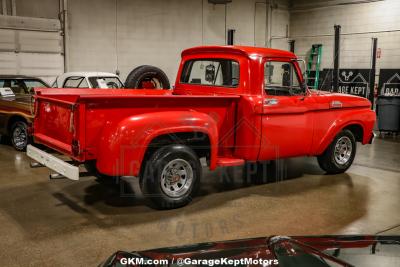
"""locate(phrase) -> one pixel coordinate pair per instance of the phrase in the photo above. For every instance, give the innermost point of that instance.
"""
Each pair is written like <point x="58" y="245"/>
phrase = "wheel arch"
<point x="357" y="130"/>
<point x="13" y="119"/>
<point x="129" y="142"/>
<point x="198" y="141"/>
<point x="356" y="127"/>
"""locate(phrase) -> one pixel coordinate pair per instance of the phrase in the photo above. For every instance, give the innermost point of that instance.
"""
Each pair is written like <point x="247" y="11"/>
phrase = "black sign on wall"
<point x="351" y="81"/>
<point x="389" y="82"/>
<point x="354" y="82"/>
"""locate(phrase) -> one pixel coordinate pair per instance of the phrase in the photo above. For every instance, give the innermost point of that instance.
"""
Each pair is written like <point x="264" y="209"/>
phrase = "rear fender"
<point x="363" y="118"/>
<point x="124" y="144"/>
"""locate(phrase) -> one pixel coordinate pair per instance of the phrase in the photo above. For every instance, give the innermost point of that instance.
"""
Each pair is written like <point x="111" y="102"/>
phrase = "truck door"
<point x="287" y="120"/>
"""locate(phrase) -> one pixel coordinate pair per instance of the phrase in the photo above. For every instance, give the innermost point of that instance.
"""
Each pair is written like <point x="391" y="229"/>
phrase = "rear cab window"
<point x="211" y="72"/>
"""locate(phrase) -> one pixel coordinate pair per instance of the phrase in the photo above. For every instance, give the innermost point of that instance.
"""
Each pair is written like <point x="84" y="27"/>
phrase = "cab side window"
<point x="17" y="87"/>
<point x="211" y="72"/>
<point x="30" y="84"/>
<point x="280" y="78"/>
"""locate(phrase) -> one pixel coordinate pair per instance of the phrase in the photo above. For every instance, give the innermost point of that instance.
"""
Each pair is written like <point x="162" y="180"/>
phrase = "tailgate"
<point x="56" y="123"/>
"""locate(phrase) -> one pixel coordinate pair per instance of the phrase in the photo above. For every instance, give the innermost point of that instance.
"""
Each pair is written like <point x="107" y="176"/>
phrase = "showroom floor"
<point x="57" y="222"/>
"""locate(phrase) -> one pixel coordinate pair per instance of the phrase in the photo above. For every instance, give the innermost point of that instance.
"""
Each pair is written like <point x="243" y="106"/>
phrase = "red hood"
<point x="347" y="101"/>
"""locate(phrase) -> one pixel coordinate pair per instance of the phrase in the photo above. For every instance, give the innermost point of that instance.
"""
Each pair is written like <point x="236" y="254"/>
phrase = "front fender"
<point x="364" y="118"/>
<point x="124" y="144"/>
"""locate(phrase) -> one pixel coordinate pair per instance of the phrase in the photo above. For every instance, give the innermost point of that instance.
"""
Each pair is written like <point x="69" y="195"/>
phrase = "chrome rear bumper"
<point x="53" y="163"/>
<point x="371" y="140"/>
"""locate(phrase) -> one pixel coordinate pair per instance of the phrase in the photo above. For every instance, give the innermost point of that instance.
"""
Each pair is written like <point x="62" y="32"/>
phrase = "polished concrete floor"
<point x="66" y="223"/>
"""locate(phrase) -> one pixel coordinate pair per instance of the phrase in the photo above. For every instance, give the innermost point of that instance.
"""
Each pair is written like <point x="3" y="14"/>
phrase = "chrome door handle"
<point x="271" y="102"/>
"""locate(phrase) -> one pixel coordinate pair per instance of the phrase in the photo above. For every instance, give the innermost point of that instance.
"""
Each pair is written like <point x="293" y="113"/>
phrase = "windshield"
<point x="106" y="82"/>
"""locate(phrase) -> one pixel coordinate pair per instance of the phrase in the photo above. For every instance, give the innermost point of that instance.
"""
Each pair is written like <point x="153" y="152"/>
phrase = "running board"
<point x="226" y="162"/>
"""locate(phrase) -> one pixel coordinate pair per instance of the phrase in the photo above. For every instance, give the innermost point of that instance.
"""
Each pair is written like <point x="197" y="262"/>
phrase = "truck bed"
<point x="72" y="121"/>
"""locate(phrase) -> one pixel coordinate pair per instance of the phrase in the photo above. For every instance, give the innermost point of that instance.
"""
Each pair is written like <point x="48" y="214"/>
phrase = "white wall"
<point x="92" y="35"/>
<point x="279" y="24"/>
<point x="110" y="35"/>
<point x="360" y="22"/>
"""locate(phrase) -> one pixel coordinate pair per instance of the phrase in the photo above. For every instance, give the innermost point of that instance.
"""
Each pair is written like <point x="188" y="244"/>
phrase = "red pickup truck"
<point x="230" y="105"/>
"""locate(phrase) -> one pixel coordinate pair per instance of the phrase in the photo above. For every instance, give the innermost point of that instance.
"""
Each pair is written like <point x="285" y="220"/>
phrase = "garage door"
<point x="31" y="52"/>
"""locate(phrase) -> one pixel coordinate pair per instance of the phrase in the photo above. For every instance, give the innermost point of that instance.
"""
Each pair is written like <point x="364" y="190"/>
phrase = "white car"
<point x="103" y="80"/>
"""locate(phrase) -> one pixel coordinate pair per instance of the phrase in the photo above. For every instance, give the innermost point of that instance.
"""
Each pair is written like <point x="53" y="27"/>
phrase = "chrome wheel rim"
<point x="19" y="137"/>
<point x="343" y="150"/>
<point x="176" y="178"/>
<point x="150" y="83"/>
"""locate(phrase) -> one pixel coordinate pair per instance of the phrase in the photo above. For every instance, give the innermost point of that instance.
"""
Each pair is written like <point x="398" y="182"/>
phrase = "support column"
<point x="336" y="59"/>
<point x="372" y="74"/>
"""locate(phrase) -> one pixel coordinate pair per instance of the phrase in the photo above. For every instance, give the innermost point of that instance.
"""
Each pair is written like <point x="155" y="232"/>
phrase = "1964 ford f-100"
<point x="230" y="105"/>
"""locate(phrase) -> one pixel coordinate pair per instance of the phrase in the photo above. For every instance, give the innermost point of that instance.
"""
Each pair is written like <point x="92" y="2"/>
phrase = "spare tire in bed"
<point x="147" y="77"/>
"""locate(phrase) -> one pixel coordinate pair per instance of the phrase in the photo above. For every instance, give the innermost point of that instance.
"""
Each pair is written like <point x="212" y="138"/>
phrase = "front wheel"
<point x="339" y="155"/>
<point x="171" y="176"/>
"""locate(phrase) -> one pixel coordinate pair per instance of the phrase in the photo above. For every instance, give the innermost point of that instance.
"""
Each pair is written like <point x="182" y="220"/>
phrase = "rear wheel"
<point x="19" y="135"/>
<point x="171" y="176"/>
<point x="340" y="154"/>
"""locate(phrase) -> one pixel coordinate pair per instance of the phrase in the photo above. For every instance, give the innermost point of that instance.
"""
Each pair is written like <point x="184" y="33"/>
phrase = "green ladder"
<point x="314" y="60"/>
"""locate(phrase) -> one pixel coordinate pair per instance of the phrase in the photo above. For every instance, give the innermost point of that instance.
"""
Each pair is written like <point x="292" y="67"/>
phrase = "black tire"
<point x="147" y="73"/>
<point x="330" y="162"/>
<point x="19" y="135"/>
<point x="90" y="167"/>
<point x="151" y="182"/>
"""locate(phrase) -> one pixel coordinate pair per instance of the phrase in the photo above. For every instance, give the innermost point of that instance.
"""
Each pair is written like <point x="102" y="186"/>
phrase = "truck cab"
<point x="230" y="105"/>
